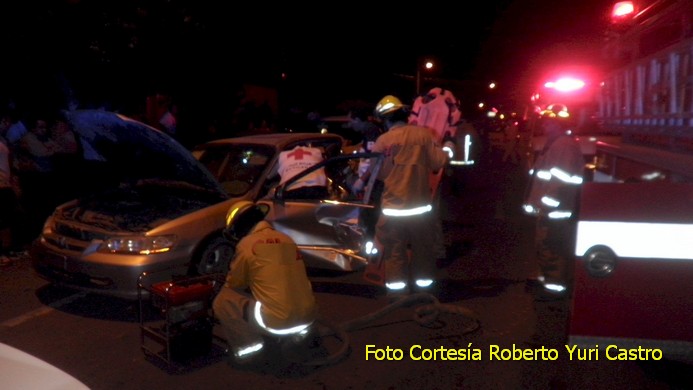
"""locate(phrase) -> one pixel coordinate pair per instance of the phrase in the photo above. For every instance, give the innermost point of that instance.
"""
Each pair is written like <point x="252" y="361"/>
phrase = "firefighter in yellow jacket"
<point x="267" y="262"/>
<point x="407" y="218"/>
<point x="553" y="196"/>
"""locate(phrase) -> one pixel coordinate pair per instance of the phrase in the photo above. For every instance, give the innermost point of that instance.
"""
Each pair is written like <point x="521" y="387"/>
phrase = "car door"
<point x="332" y="233"/>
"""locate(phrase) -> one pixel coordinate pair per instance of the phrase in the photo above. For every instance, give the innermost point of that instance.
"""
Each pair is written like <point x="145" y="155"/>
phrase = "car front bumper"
<point x="103" y="273"/>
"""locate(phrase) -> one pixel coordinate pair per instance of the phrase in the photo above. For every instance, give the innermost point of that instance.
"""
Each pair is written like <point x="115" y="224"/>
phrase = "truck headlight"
<point x="143" y="245"/>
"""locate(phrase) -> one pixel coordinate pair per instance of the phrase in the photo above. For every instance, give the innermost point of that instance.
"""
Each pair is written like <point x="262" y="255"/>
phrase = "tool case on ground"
<point x="176" y="318"/>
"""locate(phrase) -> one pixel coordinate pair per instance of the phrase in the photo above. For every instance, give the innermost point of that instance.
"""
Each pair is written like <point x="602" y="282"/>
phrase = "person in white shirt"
<point x="296" y="160"/>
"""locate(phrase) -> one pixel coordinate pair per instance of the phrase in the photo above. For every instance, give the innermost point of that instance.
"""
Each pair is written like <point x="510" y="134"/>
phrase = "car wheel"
<point x="214" y="258"/>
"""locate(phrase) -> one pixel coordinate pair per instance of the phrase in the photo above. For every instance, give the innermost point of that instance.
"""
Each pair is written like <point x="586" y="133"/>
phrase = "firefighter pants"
<point x="555" y="243"/>
<point x="396" y="235"/>
<point x="235" y="312"/>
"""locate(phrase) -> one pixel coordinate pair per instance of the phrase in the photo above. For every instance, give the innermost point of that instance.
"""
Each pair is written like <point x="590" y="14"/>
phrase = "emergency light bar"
<point x="565" y="84"/>
<point x="622" y="9"/>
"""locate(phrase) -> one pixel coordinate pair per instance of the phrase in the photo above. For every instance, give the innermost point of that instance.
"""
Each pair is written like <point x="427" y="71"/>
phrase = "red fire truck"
<point x="634" y="244"/>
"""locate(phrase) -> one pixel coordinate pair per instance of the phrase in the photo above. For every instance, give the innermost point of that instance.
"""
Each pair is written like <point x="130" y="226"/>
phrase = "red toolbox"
<point x="171" y="293"/>
<point x="182" y="328"/>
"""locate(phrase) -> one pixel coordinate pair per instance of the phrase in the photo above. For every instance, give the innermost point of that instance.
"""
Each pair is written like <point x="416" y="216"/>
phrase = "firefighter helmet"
<point x="558" y="111"/>
<point x="242" y="217"/>
<point x="388" y="105"/>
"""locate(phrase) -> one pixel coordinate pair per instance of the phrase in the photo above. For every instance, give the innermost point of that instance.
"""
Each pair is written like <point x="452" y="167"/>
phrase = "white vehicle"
<point x="20" y="370"/>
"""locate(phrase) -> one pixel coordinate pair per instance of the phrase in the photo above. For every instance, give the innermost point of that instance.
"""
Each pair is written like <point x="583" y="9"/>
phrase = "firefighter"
<point x="438" y="111"/>
<point x="553" y="195"/>
<point x="407" y="218"/>
<point x="281" y="303"/>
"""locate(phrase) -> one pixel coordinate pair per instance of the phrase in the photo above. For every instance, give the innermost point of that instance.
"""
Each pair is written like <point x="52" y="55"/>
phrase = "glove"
<point x="358" y="185"/>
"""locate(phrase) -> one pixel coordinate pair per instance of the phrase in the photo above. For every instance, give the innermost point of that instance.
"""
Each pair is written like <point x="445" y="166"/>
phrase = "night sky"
<point x="119" y="51"/>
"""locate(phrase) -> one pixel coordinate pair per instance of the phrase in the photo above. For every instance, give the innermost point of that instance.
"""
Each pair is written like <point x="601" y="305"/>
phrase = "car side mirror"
<point x="278" y="192"/>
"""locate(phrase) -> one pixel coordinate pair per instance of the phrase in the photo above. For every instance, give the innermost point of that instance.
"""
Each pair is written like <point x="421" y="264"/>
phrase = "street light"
<point x="428" y="65"/>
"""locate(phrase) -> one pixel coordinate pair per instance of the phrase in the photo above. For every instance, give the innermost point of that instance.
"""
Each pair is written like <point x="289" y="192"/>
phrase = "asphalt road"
<point x="487" y="318"/>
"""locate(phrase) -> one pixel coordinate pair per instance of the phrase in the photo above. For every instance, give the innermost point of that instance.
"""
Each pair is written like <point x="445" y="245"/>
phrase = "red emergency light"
<point x="622" y="11"/>
<point x="565" y="84"/>
<point x="622" y="8"/>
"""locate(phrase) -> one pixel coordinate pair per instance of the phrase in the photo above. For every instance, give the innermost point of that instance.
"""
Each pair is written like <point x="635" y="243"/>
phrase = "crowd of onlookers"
<point x="37" y="153"/>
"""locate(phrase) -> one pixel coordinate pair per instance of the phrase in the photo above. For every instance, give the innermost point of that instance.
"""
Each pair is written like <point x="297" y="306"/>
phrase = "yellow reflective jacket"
<point x="411" y="155"/>
<point x="268" y="262"/>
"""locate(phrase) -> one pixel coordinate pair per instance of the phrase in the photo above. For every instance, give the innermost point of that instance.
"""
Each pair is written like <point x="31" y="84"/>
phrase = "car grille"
<point x="77" y="232"/>
<point x="71" y="237"/>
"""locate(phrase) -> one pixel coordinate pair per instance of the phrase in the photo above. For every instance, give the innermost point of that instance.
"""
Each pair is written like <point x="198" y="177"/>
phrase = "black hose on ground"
<point x="426" y="311"/>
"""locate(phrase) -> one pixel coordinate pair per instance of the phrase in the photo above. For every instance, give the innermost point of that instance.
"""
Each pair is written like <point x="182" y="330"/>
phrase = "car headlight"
<point x="143" y="245"/>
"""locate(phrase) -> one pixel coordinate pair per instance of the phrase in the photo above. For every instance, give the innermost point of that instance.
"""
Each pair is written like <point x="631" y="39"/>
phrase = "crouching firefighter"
<point x="281" y="303"/>
<point x="552" y="197"/>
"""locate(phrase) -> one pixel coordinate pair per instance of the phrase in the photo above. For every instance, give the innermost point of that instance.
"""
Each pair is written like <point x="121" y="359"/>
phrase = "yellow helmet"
<point x="242" y="217"/>
<point x="556" y="110"/>
<point x="388" y="105"/>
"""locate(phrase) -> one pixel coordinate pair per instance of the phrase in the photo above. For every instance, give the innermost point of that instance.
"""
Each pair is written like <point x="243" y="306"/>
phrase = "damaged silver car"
<point x="153" y="206"/>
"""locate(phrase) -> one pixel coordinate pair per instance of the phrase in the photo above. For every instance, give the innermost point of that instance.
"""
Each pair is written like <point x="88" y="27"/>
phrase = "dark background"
<point x="113" y="54"/>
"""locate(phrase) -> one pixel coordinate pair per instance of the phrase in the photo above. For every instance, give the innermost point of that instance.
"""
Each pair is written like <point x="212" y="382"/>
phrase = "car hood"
<point x="135" y="151"/>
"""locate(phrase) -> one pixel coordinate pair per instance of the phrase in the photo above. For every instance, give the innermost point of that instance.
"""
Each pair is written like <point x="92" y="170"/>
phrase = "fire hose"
<point x="426" y="310"/>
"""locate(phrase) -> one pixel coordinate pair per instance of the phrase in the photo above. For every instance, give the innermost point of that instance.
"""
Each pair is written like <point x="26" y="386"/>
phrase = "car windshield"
<point x="237" y="167"/>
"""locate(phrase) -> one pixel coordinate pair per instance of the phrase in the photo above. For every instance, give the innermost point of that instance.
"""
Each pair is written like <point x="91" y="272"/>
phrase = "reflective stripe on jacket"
<point x="557" y="175"/>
